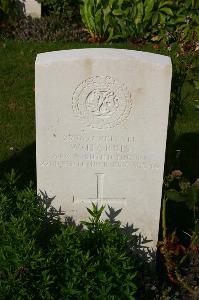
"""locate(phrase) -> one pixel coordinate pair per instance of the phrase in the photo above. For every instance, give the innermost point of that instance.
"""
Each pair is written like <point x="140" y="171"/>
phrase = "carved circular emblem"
<point x="102" y="102"/>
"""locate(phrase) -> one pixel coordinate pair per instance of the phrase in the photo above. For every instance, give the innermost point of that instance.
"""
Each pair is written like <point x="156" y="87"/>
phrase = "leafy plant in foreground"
<point x="99" y="254"/>
<point x="44" y="258"/>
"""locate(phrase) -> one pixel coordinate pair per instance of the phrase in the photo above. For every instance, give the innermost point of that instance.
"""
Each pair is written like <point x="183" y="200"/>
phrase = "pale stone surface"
<point x="30" y="8"/>
<point x="101" y="118"/>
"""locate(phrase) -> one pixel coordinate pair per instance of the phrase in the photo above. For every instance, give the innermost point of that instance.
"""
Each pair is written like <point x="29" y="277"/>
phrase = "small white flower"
<point x="188" y="19"/>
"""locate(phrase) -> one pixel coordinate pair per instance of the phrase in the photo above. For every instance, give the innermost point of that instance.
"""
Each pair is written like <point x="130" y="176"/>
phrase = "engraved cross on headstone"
<point x="100" y="198"/>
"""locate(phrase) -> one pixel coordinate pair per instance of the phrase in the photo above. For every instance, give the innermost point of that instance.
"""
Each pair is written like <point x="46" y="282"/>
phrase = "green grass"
<point x="17" y="114"/>
<point x="189" y="120"/>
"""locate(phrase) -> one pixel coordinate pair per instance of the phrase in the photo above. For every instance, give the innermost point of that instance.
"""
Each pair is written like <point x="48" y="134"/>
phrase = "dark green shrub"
<point x="99" y="265"/>
<point x="107" y="20"/>
<point x="124" y="19"/>
<point x="68" y="9"/>
<point x="43" y="258"/>
<point x="180" y="246"/>
<point x="8" y="10"/>
<point x="185" y="73"/>
<point x="146" y="19"/>
<point x="184" y="24"/>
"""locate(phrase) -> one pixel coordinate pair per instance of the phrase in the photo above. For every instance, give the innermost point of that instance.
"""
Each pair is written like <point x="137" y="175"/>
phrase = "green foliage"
<point x="100" y="255"/>
<point x="190" y="196"/>
<point x="106" y="20"/>
<point x="5" y="6"/>
<point x="185" y="74"/>
<point x="168" y="20"/>
<point x="66" y="8"/>
<point x="149" y="19"/>
<point x="149" y="16"/>
<point x="8" y="10"/>
<point x="181" y="259"/>
<point x="181" y="190"/>
<point x="153" y="20"/>
<point x="43" y="258"/>
<point x="180" y="24"/>
<point x="160" y="12"/>
<point x="187" y="20"/>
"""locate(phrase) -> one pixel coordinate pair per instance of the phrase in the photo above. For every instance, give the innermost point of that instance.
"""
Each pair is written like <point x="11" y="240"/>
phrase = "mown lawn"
<point x="17" y="114"/>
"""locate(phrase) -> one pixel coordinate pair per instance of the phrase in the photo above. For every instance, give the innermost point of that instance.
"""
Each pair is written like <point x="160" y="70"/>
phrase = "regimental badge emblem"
<point x="102" y="102"/>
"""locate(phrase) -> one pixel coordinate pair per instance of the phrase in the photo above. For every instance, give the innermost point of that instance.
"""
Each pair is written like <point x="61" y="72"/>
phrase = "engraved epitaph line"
<point x="100" y="198"/>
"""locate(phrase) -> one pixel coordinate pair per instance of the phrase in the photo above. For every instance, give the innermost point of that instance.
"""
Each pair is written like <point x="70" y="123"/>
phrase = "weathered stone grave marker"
<point x="101" y="118"/>
<point x="30" y="8"/>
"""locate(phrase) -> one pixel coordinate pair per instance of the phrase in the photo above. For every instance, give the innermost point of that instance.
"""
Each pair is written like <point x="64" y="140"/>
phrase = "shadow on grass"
<point x="182" y="154"/>
<point x="187" y="147"/>
<point x="24" y="163"/>
<point x="188" y="158"/>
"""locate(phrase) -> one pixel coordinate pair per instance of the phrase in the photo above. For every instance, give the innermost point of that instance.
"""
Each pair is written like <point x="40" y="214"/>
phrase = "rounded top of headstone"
<point x="101" y="53"/>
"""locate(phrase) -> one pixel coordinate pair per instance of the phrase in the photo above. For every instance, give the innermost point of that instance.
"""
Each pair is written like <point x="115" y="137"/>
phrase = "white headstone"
<point x="31" y="8"/>
<point x="101" y="119"/>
